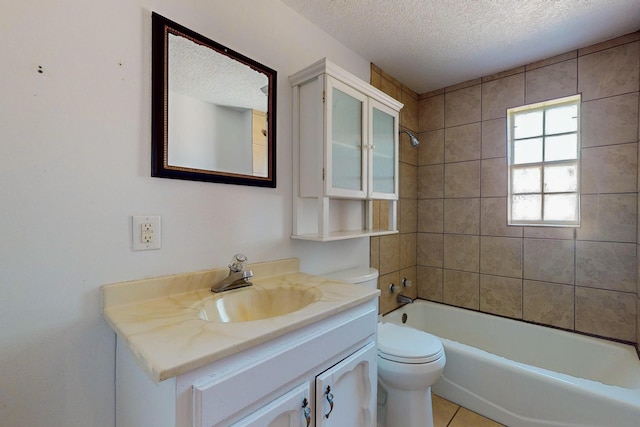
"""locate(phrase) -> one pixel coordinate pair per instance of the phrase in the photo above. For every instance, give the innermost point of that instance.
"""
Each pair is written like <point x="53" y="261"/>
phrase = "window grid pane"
<point x="543" y="164"/>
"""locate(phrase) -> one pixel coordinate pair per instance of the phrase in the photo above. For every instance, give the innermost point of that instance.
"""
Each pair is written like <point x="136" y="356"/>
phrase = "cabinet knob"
<point x="330" y="400"/>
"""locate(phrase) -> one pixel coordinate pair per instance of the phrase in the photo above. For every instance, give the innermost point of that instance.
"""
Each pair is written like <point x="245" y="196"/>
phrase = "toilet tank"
<point x="365" y="276"/>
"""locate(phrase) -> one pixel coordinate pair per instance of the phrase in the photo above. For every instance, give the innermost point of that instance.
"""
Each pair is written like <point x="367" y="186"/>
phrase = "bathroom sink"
<point x="255" y="303"/>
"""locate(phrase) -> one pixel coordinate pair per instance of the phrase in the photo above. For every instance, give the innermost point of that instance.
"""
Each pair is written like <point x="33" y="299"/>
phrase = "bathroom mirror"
<point x="214" y="110"/>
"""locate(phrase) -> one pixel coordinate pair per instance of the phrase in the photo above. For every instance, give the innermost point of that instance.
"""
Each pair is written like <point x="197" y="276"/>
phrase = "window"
<point x="543" y="158"/>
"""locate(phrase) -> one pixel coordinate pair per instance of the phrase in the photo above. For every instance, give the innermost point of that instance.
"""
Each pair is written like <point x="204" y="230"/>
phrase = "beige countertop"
<point x="159" y="318"/>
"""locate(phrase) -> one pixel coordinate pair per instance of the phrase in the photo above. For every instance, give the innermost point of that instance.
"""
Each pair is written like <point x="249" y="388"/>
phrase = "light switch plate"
<point x="147" y="233"/>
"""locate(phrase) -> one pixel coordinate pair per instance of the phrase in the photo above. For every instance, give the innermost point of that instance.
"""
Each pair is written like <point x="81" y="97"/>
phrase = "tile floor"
<point x="449" y="414"/>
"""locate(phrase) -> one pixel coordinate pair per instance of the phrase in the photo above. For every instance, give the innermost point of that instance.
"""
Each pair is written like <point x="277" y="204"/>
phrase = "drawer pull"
<point x="330" y="400"/>
<point x="306" y="411"/>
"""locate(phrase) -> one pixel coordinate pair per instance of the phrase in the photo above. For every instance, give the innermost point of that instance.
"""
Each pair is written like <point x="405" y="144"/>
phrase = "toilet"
<point x="410" y="361"/>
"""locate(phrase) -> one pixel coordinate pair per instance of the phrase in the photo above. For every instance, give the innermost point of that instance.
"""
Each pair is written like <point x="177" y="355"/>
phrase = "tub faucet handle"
<point x="406" y="283"/>
<point x="392" y="288"/>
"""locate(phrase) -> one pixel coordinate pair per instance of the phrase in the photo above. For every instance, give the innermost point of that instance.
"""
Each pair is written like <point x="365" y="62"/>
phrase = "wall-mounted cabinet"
<point x="345" y="154"/>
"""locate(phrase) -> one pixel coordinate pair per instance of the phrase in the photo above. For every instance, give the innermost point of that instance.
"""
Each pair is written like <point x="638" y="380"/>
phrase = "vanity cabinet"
<point x="325" y="368"/>
<point x="343" y="397"/>
<point x="345" y="154"/>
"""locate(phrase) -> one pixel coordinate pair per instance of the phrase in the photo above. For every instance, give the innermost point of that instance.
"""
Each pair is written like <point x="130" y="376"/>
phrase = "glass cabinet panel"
<point x="383" y="152"/>
<point x="346" y="131"/>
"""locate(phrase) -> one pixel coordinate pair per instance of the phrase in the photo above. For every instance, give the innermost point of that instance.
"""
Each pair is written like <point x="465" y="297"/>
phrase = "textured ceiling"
<point x="430" y="44"/>
<point x="202" y="73"/>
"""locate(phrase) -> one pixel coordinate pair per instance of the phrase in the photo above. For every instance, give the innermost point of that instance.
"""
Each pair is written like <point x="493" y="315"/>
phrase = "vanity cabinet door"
<point x="346" y="122"/>
<point x="292" y="409"/>
<point x="345" y="393"/>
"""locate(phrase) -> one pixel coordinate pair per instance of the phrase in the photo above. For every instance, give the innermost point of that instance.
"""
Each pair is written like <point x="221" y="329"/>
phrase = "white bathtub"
<point x="527" y="375"/>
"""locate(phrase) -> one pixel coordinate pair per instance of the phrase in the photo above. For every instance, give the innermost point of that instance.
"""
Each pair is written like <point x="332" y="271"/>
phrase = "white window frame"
<point x="541" y="106"/>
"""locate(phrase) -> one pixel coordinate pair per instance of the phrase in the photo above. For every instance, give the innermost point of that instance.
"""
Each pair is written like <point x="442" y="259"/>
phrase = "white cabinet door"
<point x="289" y="410"/>
<point x="383" y="152"/>
<point x="345" y="393"/>
<point x="346" y="162"/>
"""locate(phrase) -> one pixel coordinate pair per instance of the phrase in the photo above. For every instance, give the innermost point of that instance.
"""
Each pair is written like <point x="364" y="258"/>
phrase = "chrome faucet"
<point x="237" y="278"/>
<point x="404" y="299"/>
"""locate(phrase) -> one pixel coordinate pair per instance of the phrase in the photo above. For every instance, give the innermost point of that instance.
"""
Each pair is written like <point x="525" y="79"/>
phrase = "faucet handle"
<point x="237" y="262"/>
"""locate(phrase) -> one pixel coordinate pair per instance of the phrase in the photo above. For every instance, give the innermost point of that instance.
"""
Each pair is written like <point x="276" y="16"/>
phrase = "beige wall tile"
<point x="431" y="148"/>
<point x="383" y="213"/>
<point x="610" y="217"/>
<point x="408" y="181"/>
<point x="462" y="216"/>
<point x="375" y="78"/>
<point x="409" y="113"/>
<point x="494" y="177"/>
<point x="430" y="215"/>
<point x="563" y="233"/>
<point x="374" y="252"/>
<point x="606" y="265"/>
<point x="461" y="252"/>
<point x="431" y="113"/>
<point x="502" y="74"/>
<point x="390" y="85"/>
<point x="493" y="218"/>
<point x="388" y="300"/>
<point x="430" y="249"/>
<point x="627" y="38"/>
<point x="389" y="253"/>
<point x="501" y="295"/>
<point x="549" y="260"/>
<point x="408" y="248"/>
<point x="553" y="60"/>
<point x="498" y="95"/>
<point x="430" y="181"/>
<point x="494" y="138"/>
<point x="462" y="143"/>
<point x="463" y="85"/>
<point x="430" y="283"/>
<point x="461" y="289"/>
<point x="408" y="154"/>
<point x="548" y="303"/>
<point x="501" y="256"/>
<point x="610" y="169"/>
<point x="609" y="72"/>
<point x="462" y="106"/>
<point x="551" y="82"/>
<point x="606" y="313"/>
<point x="462" y="179"/>
<point x="609" y="121"/>
<point x="408" y="215"/>
<point x="411" y="274"/>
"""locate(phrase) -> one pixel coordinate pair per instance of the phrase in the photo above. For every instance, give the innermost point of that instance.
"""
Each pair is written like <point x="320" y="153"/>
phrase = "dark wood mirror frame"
<point x="160" y="167"/>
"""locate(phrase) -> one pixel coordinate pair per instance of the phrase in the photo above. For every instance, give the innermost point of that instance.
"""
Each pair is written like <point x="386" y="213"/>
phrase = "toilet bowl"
<point x="409" y="363"/>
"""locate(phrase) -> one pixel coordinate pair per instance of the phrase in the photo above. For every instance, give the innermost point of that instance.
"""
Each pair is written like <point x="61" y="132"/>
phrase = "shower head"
<point x="414" y="140"/>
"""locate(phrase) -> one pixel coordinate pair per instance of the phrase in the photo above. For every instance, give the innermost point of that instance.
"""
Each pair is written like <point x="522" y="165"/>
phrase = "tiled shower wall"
<point x="395" y="255"/>
<point x="583" y="279"/>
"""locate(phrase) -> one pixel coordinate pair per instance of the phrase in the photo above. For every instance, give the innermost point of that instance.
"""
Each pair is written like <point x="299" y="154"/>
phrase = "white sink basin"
<point x="255" y="303"/>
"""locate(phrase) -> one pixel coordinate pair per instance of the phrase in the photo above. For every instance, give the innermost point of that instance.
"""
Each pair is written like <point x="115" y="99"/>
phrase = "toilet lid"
<point x="407" y="345"/>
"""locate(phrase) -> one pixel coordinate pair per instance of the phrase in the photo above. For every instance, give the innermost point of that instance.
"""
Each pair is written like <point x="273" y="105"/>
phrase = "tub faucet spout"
<point x="402" y="299"/>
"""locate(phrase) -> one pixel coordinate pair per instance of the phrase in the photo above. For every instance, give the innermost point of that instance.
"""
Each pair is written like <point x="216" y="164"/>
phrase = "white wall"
<point x="75" y="165"/>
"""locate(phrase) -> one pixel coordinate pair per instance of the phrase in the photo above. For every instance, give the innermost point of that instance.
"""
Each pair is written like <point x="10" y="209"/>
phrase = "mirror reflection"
<point x="218" y="111"/>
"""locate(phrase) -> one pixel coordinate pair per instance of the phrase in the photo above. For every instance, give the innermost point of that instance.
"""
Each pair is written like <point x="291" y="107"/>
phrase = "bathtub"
<point x="521" y="374"/>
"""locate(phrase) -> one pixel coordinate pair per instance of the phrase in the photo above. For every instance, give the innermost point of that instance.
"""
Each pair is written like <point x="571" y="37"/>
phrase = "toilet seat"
<point x="404" y="344"/>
